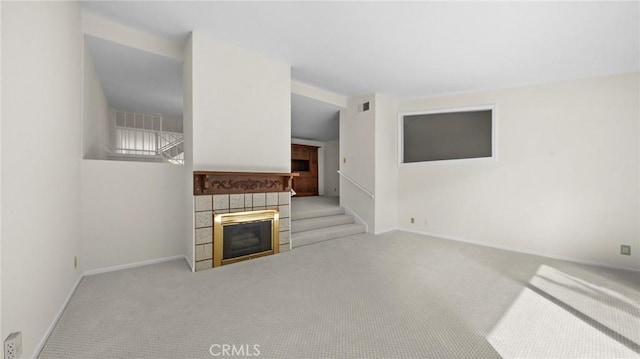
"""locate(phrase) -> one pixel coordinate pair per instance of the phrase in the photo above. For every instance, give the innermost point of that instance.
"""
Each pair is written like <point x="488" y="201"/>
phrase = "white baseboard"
<point x="386" y="231"/>
<point x="56" y="319"/>
<point x="133" y="265"/>
<point x="358" y="218"/>
<point x="190" y="263"/>
<point x="520" y="250"/>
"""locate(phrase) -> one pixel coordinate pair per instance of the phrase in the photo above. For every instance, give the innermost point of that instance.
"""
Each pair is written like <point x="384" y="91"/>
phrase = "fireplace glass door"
<point x="244" y="235"/>
<point x="246" y="238"/>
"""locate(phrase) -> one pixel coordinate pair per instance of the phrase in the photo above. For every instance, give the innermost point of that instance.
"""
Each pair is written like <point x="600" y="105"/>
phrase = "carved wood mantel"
<point x="240" y="182"/>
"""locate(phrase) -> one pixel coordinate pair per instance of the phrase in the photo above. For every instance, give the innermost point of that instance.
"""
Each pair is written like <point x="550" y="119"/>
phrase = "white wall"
<point x="41" y="151"/>
<point x="131" y="212"/>
<point x="331" y="167"/>
<point x="319" y="94"/>
<point x="368" y="143"/>
<point x="1" y="332"/>
<point x="128" y="36"/>
<point x="321" y="160"/>
<point x="357" y="146"/>
<point x="173" y="124"/>
<point x="357" y="141"/>
<point x="241" y="109"/>
<point x="386" y="164"/>
<point x="187" y="123"/>
<point x="95" y="113"/>
<point x="566" y="182"/>
<point x="111" y="127"/>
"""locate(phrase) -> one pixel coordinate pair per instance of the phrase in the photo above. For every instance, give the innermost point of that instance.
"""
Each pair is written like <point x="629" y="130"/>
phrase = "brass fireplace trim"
<point x="222" y="219"/>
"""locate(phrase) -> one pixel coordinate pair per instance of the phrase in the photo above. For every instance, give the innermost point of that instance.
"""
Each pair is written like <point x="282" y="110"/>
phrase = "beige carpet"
<point x="396" y="295"/>
<point x="313" y="203"/>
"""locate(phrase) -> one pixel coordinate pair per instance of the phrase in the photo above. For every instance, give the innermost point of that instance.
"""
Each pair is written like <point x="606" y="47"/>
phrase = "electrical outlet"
<point x="413" y="220"/>
<point x="344" y="160"/>
<point x="13" y="346"/>
<point x="625" y="250"/>
<point x="75" y="262"/>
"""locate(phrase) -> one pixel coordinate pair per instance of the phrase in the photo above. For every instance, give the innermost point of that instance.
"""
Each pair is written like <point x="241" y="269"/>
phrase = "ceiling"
<point x="409" y="49"/>
<point x="402" y="49"/>
<point x="314" y="120"/>
<point x="135" y="80"/>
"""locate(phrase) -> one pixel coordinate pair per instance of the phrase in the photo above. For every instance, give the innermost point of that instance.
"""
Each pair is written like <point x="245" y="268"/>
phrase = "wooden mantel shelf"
<point x="208" y="183"/>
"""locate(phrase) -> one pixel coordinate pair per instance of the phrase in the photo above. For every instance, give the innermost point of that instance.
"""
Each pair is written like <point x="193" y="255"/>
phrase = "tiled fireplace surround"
<point x="252" y="192"/>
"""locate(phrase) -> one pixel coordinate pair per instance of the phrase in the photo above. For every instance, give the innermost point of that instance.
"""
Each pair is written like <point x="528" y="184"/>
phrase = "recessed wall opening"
<point x="450" y="134"/>
<point x="132" y="108"/>
<point x="300" y="165"/>
<point x="315" y="132"/>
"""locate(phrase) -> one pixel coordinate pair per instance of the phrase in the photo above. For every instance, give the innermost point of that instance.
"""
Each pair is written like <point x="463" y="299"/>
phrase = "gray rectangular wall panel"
<point x="447" y="136"/>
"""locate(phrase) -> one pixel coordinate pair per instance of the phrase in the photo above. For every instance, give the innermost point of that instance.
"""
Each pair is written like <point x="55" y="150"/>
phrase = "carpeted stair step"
<point x="324" y="234"/>
<point x="322" y="212"/>
<point x="320" y="222"/>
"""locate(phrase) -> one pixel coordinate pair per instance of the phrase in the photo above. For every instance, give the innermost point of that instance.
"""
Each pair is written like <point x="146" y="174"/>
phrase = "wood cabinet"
<point x="304" y="161"/>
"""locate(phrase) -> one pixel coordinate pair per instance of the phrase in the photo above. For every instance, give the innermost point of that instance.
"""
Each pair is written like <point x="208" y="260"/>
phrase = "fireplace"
<point x="244" y="235"/>
<point x="235" y="204"/>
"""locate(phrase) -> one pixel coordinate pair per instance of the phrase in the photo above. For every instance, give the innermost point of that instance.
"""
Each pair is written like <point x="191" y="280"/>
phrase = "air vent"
<point x="364" y="107"/>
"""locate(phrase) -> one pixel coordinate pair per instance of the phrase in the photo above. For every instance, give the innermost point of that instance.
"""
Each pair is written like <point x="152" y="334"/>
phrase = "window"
<point x="451" y="134"/>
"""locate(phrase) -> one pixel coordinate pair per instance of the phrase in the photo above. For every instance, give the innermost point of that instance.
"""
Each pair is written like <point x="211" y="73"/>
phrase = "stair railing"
<point x="358" y="185"/>
<point x="144" y="134"/>
<point x="175" y="141"/>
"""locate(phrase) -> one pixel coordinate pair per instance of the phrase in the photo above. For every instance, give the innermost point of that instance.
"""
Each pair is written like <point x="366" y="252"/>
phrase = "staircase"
<point x="171" y="147"/>
<point x="148" y="138"/>
<point x="321" y="224"/>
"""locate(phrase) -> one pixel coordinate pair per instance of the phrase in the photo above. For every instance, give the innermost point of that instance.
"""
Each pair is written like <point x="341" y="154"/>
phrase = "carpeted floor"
<point x="396" y="295"/>
<point x="313" y="203"/>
